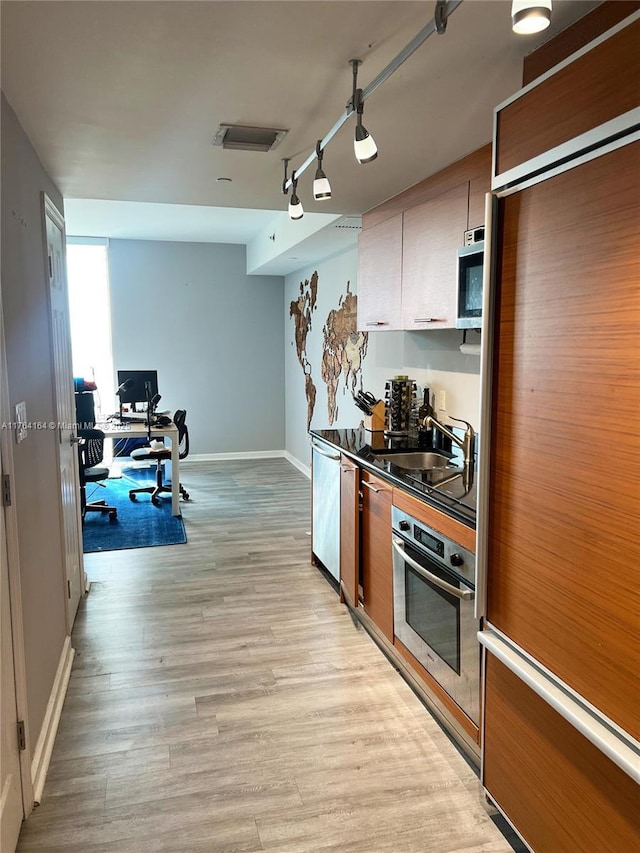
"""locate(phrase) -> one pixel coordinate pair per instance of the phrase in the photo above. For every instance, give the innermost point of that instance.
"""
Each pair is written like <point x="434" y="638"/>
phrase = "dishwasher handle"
<point x="464" y="594"/>
<point x="322" y="452"/>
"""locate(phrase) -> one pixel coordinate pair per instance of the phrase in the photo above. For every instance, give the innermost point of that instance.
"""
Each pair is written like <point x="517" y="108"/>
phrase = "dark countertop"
<point x="445" y="489"/>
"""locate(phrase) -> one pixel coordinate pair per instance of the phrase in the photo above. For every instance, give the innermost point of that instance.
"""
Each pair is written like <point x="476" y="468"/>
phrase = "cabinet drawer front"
<point x="593" y="89"/>
<point x="558" y="790"/>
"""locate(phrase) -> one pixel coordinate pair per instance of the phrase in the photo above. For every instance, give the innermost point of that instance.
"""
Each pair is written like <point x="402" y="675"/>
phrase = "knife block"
<point x="375" y="421"/>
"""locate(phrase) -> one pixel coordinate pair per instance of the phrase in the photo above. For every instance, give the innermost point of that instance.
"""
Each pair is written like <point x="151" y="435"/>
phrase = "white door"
<point x="11" y="813"/>
<point x="65" y="406"/>
<point x="10" y="785"/>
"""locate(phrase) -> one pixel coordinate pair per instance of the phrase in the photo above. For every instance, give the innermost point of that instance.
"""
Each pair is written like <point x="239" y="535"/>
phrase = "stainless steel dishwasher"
<point x="325" y="461"/>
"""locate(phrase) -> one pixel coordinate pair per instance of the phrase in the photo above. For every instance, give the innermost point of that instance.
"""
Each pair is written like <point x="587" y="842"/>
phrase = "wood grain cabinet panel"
<point x="377" y="561"/>
<point x="564" y="503"/>
<point x="349" y="529"/>
<point x="432" y="234"/>
<point x="595" y="88"/>
<point x="558" y="790"/>
<point x="380" y="276"/>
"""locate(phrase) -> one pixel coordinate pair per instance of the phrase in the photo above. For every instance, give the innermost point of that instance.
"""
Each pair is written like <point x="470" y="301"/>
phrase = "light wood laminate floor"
<point x="222" y="700"/>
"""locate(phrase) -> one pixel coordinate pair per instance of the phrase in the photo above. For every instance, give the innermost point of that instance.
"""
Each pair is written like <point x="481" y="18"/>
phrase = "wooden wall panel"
<point x="558" y="790"/>
<point x="597" y="87"/>
<point x="586" y="29"/>
<point x="564" y="548"/>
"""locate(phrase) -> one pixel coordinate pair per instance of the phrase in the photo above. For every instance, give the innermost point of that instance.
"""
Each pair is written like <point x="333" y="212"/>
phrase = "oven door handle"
<point x="464" y="594"/>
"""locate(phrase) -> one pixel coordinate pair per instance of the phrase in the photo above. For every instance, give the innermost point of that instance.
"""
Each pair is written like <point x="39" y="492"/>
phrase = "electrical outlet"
<point x="21" y="422"/>
<point x="441" y="400"/>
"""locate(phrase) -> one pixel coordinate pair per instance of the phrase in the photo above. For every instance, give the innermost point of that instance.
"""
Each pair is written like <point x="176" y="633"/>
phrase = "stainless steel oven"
<point x="433" y="592"/>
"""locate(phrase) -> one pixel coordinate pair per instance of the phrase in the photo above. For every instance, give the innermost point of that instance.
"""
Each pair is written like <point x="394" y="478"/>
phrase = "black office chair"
<point x="91" y="452"/>
<point x="160" y="457"/>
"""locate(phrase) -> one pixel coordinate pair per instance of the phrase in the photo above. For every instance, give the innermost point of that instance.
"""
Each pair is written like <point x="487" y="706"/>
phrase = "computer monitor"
<point x="136" y="385"/>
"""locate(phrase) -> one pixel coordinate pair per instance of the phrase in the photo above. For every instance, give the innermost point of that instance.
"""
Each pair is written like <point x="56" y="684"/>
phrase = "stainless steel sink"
<point x="416" y="461"/>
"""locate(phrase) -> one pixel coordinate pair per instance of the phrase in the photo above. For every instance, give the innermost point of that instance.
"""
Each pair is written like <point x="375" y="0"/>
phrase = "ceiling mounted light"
<point x="364" y="146"/>
<point x="530" y="16"/>
<point x="296" y="211"/>
<point x="321" y="185"/>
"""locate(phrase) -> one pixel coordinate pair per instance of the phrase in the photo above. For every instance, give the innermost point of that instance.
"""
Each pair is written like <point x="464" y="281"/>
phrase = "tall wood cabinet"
<point x="562" y="544"/>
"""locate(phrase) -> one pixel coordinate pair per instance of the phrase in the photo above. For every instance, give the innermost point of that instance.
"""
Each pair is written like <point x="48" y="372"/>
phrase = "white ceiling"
<point x="143" y="220"/>
<point x="122" y="99"/>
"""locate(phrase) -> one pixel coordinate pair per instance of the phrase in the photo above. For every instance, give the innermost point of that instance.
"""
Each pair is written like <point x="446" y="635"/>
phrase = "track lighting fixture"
<point x="530" y="16"/>
<point x="321" y="185"/>
<point x="364" y="146"/>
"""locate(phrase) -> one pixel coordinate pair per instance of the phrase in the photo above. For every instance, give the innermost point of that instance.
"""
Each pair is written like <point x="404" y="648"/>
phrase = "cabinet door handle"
<point x="427" y="320"/>
<point x="377" y="323"/>
<point x="464" y="594"/>
<point x="373" y="488"/>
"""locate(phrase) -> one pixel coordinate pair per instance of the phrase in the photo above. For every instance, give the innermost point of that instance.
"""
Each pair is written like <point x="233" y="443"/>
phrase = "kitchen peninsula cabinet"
<point x="432" y="233"/>
<point x="380" y="276"/>
<point x="377" y="561"/>
<point x="349" y="529"/>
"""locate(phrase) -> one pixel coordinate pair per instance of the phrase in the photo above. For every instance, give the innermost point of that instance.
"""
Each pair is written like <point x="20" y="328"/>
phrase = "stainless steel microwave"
<point x="470" y="272"/>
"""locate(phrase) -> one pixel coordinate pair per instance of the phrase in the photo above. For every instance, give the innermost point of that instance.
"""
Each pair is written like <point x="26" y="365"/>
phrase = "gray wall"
<point x="37" y="495"/>
<point x="213" y="333"/>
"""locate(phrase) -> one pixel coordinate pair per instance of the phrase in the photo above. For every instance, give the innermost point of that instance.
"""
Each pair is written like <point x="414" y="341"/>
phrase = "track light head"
<point x="296" y="211"/>
<point x="364" y="146"/>
<point x="321" y="185"/>
<point x="530" y="16"/>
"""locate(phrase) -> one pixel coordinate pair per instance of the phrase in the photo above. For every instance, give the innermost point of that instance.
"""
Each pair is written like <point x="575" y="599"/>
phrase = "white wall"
<point x="214" y="335"/>
<point x="430" y="358"/>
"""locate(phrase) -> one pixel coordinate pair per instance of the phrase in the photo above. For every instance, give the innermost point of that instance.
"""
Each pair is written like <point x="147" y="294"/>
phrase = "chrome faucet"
<point x="467" y="443"/>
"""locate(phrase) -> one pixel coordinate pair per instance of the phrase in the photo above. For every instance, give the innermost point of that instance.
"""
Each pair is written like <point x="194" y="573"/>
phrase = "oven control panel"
<point x="448" y="553"/>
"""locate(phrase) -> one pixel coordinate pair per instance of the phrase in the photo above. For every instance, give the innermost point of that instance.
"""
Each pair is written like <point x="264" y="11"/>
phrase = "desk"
<point x="131" y="429"/>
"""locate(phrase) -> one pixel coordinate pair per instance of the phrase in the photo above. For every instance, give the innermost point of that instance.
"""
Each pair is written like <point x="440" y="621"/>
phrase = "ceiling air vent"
<point x="353" y="223"/>
<point x="243" y="138"/>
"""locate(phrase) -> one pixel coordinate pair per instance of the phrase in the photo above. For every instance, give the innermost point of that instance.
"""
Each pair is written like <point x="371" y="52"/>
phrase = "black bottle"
<point x="425" y="409"/>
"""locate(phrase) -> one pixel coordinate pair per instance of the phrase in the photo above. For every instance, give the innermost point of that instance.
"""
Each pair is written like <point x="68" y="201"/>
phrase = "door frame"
<point x="49" y="210"/>
<point x="15" y="588"/>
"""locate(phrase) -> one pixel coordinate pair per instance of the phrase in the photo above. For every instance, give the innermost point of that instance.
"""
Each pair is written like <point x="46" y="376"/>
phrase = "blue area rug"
<point x="139" y="524"/>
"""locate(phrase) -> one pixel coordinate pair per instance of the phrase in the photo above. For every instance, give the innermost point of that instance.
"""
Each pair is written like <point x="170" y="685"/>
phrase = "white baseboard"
<point x="251" y="454"/>
<point x="221" y="457"/>
<point x="44" y="747"/>
<point x="306" y="470"/>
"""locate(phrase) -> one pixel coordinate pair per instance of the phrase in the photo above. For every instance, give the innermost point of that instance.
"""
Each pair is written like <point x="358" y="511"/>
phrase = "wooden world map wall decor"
<point x="343" y="347"/>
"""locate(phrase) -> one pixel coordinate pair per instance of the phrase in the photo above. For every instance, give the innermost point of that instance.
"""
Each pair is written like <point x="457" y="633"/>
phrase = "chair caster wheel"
<point x="185" y="495"/>
<point x="113" y="516"/>
<point x="155" y="501"/>
<point x="132" y="497"/>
